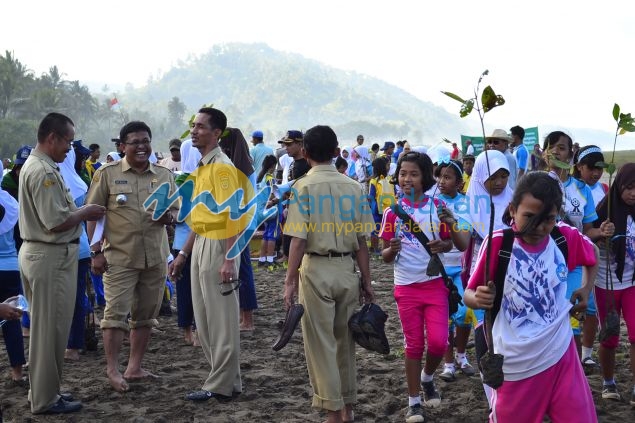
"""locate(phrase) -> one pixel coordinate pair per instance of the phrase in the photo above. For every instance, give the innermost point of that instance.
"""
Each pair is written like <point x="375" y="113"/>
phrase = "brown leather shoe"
<point x="294" y="314"/>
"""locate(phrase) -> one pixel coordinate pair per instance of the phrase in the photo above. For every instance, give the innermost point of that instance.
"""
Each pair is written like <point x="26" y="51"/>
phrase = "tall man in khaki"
<point x="50" y="226"/>
<point x="134" y="249"/>
<point x="329" y="221"/>
<point x="214" y="297"/>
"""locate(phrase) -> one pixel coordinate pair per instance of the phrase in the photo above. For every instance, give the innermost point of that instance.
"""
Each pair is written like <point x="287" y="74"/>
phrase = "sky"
<point x="559" y="64"/>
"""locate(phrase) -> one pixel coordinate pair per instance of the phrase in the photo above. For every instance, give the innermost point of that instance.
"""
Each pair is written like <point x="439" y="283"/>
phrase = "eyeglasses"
<point x="494" y="141"/>
<point x="238" y="283"/>
<point x="136" y="144"/>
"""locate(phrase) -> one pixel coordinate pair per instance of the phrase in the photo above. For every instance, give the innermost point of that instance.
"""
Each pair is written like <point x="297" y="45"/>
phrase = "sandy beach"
<point x="275" y="384"/>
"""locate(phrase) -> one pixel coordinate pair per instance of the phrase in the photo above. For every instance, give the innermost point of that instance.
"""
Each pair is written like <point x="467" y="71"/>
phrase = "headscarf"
<point x="236" y="148"/>
<point x="362" y="152"/>
<point x="114" y="156"/>
<point x="619" y="214"/>
<point x="478" y="196"/>
<point x="73" y="181"/>
<point x="190" y="156"/>
<point x="11" y="209"/>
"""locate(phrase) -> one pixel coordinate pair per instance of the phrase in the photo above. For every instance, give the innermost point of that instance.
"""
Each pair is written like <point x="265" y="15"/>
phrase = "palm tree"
<point x="13" y="77"/>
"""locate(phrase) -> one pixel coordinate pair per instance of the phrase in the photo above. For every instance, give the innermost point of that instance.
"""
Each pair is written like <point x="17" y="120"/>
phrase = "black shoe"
<point x="63" y="407"/>
<point x="67" y="396"/>
<point x="431" y="396"/>
<point x="204" y="395"/>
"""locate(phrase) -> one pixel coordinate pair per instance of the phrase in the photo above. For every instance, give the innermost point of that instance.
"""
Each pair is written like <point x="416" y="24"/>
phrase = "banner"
<point x="477" y="142"/>
<point x="531" y="138"/>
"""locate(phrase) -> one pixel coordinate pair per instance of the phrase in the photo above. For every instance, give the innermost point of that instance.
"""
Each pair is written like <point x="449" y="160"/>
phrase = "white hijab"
<point x="190" y="156"/>
<point x="362" y="152"/>
<point x="478" y="196"/>
<point x="114" y="155"/>
<point x="73" y="181"/>
<point x="11" y="210"/>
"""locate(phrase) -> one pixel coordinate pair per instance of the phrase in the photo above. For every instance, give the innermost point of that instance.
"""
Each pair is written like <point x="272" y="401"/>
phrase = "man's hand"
<point x="227" y="272"/>
<point x="9" y="312"/>
<point x="98" y="264"/>
<point x="367" y="295"/>
<point x="166" y="218"/>
<point x="92" y="212"/>
<point x="176" y="267"/>
<point x="290" y="291"/>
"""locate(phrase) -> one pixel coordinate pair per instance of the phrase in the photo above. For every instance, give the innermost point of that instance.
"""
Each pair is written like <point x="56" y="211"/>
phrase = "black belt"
<point x="330" y="254"/>
<point x="74" y="241"/>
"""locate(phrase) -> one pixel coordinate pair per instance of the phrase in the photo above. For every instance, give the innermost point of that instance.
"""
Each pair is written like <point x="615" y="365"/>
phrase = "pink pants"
<point x="624" y="305"/>
<point x="560" y="392"/>
<point x="423" y="305"/>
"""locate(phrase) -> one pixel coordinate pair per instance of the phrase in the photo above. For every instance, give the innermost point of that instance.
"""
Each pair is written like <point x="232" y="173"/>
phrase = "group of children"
<point x="550" y="287"/>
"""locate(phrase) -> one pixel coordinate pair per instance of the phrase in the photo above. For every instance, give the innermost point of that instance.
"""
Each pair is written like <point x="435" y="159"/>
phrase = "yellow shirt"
<point x="45" y="201"/>
<point x="131" y="238"/>
<point x="329" y="210"/>
<point x="466" y="182"/>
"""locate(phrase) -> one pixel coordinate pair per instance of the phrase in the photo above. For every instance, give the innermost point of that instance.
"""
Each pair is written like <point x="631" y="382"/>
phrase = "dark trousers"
<point x="10" y="286"/>
<point x="98" y="287"/>
<point x="247" y="290"/>
<point x="184" y="308"/>
<point x="76" y="338"/>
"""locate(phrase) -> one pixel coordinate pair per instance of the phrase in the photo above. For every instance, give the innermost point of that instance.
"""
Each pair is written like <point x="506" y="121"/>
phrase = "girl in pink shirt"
<point x="543" y="375"/>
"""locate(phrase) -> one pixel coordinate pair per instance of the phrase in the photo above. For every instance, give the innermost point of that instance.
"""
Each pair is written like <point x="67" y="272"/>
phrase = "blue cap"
<point x="257" y="134"/>
<point x="80" y="150"/>
<point x="22" y="154"/>
<point x="387" y="145"/>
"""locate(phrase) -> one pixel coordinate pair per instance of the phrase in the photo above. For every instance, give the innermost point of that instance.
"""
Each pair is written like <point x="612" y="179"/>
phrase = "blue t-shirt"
<point x="521" y="155"/>
<point x="84" y="246"/>
<point x="8" y="253"/>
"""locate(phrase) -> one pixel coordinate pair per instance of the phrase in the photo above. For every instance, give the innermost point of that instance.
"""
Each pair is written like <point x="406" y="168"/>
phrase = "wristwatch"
<point x="94" y="254"/>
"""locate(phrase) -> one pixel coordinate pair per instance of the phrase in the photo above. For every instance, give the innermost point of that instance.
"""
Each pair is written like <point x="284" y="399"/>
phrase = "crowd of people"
<point x="541" y="251"/>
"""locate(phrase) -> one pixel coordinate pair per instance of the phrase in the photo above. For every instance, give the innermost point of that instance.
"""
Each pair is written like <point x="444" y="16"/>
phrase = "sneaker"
<point x="431" y="397"/>
<point x="448" y="374"/>
<point x="467" y="369"/>
<point x="610" y="392"/>
<point x="589" y="366"/>
<point x="415" y="414"/>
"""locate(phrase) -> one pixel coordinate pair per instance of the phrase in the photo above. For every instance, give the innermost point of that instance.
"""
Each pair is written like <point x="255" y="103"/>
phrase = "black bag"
<point x="435" y="266"/>
<point x="367" y="326"/>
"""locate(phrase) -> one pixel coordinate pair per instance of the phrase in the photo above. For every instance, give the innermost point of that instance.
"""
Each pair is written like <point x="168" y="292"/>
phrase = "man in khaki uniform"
<point x="329" y="220"/>
<point x="50" y="225"/>
<point x="214" y="294"/>
<point x="134" y="250"/>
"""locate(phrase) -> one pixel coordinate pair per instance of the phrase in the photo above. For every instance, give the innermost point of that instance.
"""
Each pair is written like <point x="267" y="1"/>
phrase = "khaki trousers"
<point x="49" y="276"/>
<point x="216" y="316"/>
<point x="329" y="291"/>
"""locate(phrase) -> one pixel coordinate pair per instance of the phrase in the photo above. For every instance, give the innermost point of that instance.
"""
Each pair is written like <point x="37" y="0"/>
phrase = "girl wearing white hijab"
<point x="349" y="160"/>
<point x="78" y="189"/>
<point x="113" y="156"/>
<point x="361" y="164"/>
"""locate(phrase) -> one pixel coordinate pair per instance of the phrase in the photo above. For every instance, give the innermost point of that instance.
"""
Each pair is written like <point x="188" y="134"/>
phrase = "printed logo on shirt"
<point x="562" y="272"/>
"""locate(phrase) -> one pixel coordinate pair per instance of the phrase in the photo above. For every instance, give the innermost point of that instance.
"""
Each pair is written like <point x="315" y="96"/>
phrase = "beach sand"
<point x="275" y="384"/>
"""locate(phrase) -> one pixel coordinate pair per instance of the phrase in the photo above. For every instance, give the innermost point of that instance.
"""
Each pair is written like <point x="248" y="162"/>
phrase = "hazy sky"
<point x="557" y="63"/>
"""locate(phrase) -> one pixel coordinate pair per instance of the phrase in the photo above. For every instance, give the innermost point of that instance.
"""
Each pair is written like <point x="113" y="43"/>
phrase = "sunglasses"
<point x="494" y="141"/>
<point x="237" y="285"/>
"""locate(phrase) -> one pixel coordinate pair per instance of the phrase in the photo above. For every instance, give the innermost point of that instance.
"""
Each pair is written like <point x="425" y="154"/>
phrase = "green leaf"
<point x="557" y="163"/>
<point x="602" y="165"/>
<point x="453" y="96"/>
<point x="467" y="107"/>
<point x="185" y="134"/>
<point x="611" y="168"/>
<point x="616" y="112"/>
<point x="489" y="99"/>
<point x="225" y="133"/>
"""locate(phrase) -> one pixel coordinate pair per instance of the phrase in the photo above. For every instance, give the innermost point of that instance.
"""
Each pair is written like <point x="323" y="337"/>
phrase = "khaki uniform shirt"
<point x="216" y="181"/>
<point x="45" y="201"/>
<point x="131" y="238"/>
<point x="329" y="210"/>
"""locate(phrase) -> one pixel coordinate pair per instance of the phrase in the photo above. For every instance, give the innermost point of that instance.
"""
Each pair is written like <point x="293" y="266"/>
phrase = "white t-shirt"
<point x="629" y="261"/>
<point x="285" y="162"/>
<point x="598" y="193"/>
<point x="459" y="207"/>
<point x="579" y="207"/>
<point x="469" y="149"/>
<point x="412" y="261"/>
<point x="171" y="164"/>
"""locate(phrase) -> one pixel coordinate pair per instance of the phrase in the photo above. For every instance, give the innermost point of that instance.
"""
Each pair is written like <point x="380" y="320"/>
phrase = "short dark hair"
<point x="375" y="147"/>
<point x="379" y="167"/>
<point x="53" y="122"/>
<point x="340" y="161"/>
<point x="94" y="147"/>
<point x="134" y="126"/>
<point x="519" y="131"/>
<point x="320" y="143"/>
<point x="217" y="119"/>
<point x="455" y="165"/>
